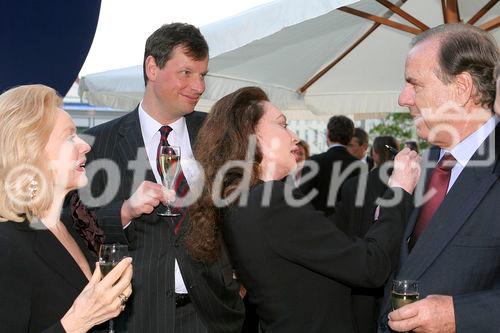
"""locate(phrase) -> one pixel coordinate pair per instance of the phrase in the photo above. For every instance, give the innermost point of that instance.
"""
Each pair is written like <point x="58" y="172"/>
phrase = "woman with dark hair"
<point x="380" y="153"/>
<point x="413" y="145"/>
<point x="296" y="265"/>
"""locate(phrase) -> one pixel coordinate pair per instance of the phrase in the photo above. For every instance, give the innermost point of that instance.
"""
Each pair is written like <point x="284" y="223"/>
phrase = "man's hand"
<point x="144" y="200"/>
<point x="433" y="314"/>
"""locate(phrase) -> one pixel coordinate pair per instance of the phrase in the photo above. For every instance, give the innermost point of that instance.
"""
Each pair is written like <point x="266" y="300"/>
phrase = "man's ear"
<point x="151" y="68"/>
<point x="464" y="88"/>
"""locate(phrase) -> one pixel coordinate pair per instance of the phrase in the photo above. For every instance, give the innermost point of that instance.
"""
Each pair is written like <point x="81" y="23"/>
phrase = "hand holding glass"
<point x="403" y="293"/>
<point x="170" y="167"/>
<point x="109" y="256"/>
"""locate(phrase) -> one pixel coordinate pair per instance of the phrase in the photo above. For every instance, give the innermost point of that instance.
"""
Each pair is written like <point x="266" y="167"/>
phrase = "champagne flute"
<point x="170" y="166"/>
<point x="403" y="293"/>
<point x="109" y="256"/>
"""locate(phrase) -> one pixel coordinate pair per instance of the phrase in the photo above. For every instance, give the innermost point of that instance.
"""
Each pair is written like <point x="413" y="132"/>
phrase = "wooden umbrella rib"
<point x="381" y="20"/>
<point x="342" y="56"/>
<point x="491" y="24"/>
<point x="450" y="11"/>
<point x="336" y="61"/>
<point x="482" y="11"/>
<point x="395" y="9"/>
<point x="443" y="7"/>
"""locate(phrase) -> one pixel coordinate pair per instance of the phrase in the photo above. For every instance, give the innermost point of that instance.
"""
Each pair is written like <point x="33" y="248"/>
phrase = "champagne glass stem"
<point x="111" y="326"/>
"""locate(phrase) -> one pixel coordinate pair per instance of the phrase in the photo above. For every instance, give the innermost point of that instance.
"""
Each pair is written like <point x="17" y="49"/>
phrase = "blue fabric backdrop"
<point x="45" y="41"/>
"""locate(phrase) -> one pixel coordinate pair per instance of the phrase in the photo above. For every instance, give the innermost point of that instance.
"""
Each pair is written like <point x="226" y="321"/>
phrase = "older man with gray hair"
<point x="451" y="244"/>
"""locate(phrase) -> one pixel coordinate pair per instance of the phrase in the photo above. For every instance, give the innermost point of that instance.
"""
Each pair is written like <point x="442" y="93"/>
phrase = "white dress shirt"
<point x="464" y="150"/>
<point x="179" y="136"/>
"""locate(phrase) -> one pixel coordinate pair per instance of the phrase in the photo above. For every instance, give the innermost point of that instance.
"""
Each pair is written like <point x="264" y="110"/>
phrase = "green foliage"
<point x="400" y="126"/>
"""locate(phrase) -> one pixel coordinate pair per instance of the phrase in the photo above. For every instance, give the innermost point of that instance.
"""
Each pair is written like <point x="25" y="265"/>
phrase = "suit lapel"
<point x="129" y="143"/>
<point x="429" y="161"/>
<point x="194" y="120"/>
<point x="460" y="202"/>
<point x="53" y="253"/>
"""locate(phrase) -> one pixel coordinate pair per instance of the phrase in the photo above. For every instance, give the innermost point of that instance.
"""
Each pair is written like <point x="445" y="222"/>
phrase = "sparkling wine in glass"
<point x="403" y="293"/>
<point x="170" y="167"/>
<point x="109" y="256"/>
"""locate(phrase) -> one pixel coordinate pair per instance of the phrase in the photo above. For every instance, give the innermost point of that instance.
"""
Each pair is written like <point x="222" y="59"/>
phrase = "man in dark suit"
<point x="358" y="146"/>
<point x="355" y="214"/>
<point x="172" y="292"/>
<point x="451" y="244"/>
<point x="335" y="165"/>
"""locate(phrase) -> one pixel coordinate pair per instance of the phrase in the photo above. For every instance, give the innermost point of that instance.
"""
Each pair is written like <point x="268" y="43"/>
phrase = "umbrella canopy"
<point x="322" y="57"/>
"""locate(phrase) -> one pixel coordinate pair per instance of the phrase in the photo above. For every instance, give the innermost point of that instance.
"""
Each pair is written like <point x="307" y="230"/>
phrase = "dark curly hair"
<point x="340" y="129"/>
<point x="225" y="136"/>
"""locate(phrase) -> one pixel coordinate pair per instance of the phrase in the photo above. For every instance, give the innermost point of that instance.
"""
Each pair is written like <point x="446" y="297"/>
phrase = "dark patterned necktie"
<point x="164" y="132"/>
<point x="439" y="181"/>
<point x="181" y="186"/>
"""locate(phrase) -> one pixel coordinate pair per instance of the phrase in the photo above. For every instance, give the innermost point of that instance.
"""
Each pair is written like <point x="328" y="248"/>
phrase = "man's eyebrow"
<point x="411" y="80"/>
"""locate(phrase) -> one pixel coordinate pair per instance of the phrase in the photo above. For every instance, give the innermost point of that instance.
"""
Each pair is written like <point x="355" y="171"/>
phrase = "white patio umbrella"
<point x="317" y="57"/>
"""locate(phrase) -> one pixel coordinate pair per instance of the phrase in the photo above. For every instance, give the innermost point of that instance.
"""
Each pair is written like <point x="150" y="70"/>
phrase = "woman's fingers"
<point x="96" y="276"/>
<point x="123" y="283"/>
<point x="110" y="279"/>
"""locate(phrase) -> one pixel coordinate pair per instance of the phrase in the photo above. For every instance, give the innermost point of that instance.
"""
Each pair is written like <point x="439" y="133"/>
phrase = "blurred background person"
<point x="356" y="218"/>
<point x="48" y="280"/>
<point x="334" y="165"/>
<point x="358" y="146"/>
<point x="380" y="153"/>
<point x="301" y="154"/>
<point x="497" y="98"/>
<point x="413" y="145"/>
<point x="296" y="265"/>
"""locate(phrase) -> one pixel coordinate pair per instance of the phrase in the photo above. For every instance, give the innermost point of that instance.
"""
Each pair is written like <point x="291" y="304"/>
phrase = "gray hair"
<point x="465" y="48"/>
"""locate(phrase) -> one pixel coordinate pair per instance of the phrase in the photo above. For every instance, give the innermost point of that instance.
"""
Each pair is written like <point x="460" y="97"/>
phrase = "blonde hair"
<point x="27" y="119"/>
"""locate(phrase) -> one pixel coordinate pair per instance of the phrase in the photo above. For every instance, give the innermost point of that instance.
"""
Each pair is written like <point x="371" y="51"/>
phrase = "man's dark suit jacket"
<point x="323" y="181"/>
<point x="458" y="254"/>
<point x="153" y="245"/>
<point x="298" y="266"/>
<point x="370" y="162"/>
<point x="39" y="280"/>
<point x="355" y="220"/>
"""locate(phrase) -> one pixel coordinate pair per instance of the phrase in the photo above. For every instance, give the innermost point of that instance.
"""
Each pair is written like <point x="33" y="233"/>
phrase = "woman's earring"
<point x="33" y="189"/>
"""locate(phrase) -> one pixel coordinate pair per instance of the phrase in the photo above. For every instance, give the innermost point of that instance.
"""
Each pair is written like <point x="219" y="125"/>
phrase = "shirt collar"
<point x="336" y="145"/>
<point x="464" y="150"/>
<point x="149" y="126"/>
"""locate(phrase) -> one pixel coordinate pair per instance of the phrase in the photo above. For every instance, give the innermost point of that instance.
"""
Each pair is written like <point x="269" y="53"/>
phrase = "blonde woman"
<point x="48" y="280"/>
